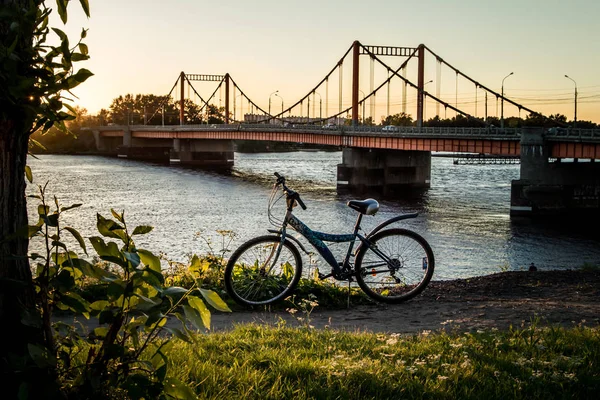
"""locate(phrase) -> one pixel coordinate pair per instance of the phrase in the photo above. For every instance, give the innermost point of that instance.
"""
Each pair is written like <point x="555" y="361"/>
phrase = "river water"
<point x="464" y="215"/>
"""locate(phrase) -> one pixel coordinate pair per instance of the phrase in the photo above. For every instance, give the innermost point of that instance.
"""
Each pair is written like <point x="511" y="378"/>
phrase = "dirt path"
<point x="563" y="298"/>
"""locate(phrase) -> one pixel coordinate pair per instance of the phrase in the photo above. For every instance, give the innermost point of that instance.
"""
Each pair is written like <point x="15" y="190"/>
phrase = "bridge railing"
<point x="573" y="133"/>
<point x="345" y="129"/>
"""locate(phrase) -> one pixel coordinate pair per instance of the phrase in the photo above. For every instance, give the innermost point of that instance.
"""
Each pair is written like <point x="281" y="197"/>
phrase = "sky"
<point x="140" y="46"/>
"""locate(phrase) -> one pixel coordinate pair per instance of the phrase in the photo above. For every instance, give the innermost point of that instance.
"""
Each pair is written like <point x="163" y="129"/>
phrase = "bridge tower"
<point x="387" y="171"/>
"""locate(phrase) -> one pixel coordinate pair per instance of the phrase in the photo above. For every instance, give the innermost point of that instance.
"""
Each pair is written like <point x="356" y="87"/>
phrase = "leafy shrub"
<point x="132" y="309"/>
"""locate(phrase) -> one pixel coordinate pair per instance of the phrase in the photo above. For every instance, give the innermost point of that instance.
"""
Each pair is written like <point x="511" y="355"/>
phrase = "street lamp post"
<point x="575" y="117"/>
<point x="320" y="106"/>
<point x="275" y="92"/>
<point x="502" y="103"/>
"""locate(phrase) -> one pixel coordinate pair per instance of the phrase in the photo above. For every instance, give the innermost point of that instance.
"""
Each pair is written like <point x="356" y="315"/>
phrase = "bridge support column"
<point x="153" y="150"/>
<point x="213" y="154"/>
<point x="553" y="188"/>
<point x="107" y="145"/>
<point x="385" y="171"/>
<point x="98" y="139"/>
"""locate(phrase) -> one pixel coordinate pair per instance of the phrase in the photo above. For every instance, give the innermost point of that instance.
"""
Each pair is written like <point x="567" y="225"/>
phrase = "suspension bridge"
<point x="387" y="160"/>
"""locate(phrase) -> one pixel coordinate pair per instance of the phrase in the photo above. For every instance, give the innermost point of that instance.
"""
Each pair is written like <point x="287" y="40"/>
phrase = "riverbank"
<point x="498" y="301"/>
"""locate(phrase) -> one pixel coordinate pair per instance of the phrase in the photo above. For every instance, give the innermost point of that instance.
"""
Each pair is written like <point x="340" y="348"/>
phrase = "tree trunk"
<point x="19" y="318"/>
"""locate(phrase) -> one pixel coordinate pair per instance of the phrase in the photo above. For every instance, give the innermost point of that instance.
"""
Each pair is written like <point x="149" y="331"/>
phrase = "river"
<point x="464" y="215"/>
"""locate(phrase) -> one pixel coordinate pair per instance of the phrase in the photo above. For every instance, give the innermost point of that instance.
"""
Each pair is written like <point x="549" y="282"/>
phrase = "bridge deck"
<point x="571" y="143"/>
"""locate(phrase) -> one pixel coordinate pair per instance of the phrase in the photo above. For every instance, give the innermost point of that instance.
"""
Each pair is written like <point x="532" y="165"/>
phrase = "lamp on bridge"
<point x="502" y="103"/>
<point x="575" y="117"/>
<point x="320" y="106"/>
<point x="275" y="92"/>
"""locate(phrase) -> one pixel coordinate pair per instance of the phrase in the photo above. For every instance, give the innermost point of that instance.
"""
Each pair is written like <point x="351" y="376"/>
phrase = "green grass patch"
<point x="209" y="269"/>
<point x="255" y="362"/>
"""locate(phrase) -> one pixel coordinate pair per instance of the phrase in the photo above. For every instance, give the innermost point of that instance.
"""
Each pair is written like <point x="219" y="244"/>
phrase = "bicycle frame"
<point x="317" y="239"/>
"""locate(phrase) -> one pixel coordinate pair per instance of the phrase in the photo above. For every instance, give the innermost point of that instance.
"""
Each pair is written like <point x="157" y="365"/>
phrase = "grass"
<point x="255" y="362"/>
<point x="209" y="269"/>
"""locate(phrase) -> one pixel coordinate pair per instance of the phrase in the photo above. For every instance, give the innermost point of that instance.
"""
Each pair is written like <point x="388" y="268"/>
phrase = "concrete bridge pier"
<point x="205" y="153"/>
<point x="385" y="171"/>
<point x="107" y="144"/>
<point x="553" y="188"/>
<point x="153" y="150"/>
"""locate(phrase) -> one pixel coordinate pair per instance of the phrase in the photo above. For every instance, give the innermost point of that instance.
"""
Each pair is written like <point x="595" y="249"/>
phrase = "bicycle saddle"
<point x="368" y="206"/>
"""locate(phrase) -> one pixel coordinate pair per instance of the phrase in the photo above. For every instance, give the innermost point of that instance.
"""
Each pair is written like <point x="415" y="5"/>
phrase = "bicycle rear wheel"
<point x="396" y="267"/>
<point x="262" y="271"/>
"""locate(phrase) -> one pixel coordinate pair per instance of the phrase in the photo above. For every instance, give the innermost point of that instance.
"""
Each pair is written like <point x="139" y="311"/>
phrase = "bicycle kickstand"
<point x="348" y="299"/>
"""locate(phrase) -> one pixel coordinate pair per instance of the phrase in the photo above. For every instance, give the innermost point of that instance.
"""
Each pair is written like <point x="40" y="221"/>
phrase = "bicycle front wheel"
<point x="395" y="267"/>
<point x="263" y="270"/>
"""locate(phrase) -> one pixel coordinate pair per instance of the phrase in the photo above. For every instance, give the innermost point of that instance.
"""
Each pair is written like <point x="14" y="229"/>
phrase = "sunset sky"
<point x="141" y="46"/>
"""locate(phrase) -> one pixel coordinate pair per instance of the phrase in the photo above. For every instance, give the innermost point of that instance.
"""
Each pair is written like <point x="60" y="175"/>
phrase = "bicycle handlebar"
<point x="289" y="192"/>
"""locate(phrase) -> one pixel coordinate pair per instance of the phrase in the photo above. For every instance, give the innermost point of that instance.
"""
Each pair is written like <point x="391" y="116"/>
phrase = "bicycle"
<point x="390" y="265"/>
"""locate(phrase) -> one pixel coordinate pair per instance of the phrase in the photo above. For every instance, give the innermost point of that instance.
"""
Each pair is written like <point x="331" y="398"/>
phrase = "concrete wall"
<point x="553" y="188"/>
<point x="385" y="171"/>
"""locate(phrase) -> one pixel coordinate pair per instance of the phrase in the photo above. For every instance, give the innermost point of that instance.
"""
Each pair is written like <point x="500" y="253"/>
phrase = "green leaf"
<point x="41" y="356"/>
<point x="61" y="34"/>
<point x="70" y="108"/>
<point x="194" y="317"/>
<point x="70" y="207"/>
<point x="100" y="332"/>
<point x="78" y="237"/>
<point x="78" y="57"/>
<point x="154" y="318"/>
<point x="32" y="230"/>
<point x="214" y="300"/>
<point x="99" y="305"/>
<point x="51" y="220"/>
<point x="174" y="291"/>
<point x="107" y="227"/>
<point x="146" y="303"/>
<point x="28" y="174"/>
<point x="91" y="270"/>
<point x="108" y="252"/>
<point x="118" y="217"/>
<point x="43" y="210"/>
<point x="178" y="390"/>
<point x="197" y="304"/>
<point x="83" y="49"/>
<point x="133" y="258"/>
<point x="79" y="77"/>
<point x="115" y="288"/>
<point x="76" y="303"/>
<point x="86" y="7"/>
<point x="152" y="277"/>
<point x="198" y="266"/>
<point x="62" y="9"/>
<point x="150" y="260"/>
<point x="179" y="334"/>
<point x="141" y="230"/>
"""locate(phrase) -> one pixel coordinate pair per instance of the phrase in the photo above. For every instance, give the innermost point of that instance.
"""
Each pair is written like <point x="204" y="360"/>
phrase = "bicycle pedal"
<point x="323" y="276"/>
